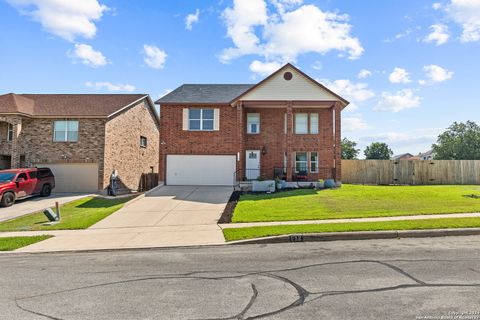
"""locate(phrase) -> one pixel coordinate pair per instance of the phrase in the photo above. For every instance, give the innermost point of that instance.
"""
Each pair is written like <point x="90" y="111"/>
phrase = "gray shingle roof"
<point x="205" y="93"/>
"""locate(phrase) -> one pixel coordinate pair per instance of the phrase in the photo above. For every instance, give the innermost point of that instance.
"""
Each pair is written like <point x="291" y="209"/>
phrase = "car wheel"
<point x="46" y="190"/>
<point x="7" y="200"/>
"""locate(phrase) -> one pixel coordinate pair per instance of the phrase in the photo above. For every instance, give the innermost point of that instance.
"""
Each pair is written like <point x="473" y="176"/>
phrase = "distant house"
<point x="424" y="156"/>
<point x="403" y="156"/>
<point x="81" y="137"/>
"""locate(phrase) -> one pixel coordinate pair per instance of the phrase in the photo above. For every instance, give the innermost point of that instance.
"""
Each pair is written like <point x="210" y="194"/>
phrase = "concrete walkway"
<point x="415" y="217"/>
<point x="35" y="204"/>
<point x="170" y="216"/>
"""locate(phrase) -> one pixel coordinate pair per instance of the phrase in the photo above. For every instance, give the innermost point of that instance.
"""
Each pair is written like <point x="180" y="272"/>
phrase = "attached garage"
<point x="74" y="177"/>
<point x="205" y="170"/>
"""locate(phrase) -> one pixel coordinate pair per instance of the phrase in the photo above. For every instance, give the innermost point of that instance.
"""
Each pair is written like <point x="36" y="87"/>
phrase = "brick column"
<point x="17" y="128"/>
<point x="338" y="143"/>
<point x="289" y="141"/>
<point x="241" y="131"/>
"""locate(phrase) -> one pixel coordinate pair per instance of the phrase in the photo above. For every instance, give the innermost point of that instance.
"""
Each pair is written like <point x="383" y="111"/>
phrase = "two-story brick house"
<point x="81" y="137"/>
<point x="287" y="125"/>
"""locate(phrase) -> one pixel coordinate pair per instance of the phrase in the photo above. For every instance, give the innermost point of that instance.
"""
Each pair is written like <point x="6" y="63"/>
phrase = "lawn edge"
<point x="358" y="235"/>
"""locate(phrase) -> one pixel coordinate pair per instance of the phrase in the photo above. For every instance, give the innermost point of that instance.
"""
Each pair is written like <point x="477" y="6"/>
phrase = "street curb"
<point x="360" y="235"/>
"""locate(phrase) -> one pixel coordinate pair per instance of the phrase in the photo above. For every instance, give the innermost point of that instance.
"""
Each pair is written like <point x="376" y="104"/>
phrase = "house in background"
<point x="429" y="155"/>
<point x="288" y="125"/>
<point x="403" y="156"/>
<point x="81" y="137"/>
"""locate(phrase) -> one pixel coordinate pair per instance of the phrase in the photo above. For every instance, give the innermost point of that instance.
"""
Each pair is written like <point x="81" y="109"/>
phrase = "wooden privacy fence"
<point x="148" y="181"/>
<point x="413" y="172"/>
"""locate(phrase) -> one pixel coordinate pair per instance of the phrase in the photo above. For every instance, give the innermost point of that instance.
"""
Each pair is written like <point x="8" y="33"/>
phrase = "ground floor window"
<point x="313" y="162"/>
<point x="301" y="163"/>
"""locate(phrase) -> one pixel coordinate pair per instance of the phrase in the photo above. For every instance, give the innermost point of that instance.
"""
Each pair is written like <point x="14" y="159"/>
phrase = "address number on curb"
<point x="295" y="238"/>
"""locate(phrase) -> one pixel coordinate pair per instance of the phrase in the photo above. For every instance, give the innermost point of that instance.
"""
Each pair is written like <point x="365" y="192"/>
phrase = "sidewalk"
<point x="396" y="218"/>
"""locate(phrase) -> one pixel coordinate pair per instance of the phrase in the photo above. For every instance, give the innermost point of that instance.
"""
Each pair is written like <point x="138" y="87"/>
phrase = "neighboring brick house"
<point x="288" y="125"/>
<point x="81" y="137"/>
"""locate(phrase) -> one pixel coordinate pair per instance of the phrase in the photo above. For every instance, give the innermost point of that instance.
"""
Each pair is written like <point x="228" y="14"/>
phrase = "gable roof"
<point x="68" y="105"/>
<point x="204" y="93"/>
<point x="307" y="77"/>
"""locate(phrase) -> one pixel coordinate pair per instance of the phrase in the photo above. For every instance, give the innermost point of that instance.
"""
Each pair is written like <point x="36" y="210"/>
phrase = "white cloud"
<point x="439" y="34"/>
<point x="264" y="68"/>
<point x="355" y="93"/>
<point x="291" y="29"/>
<point x="437" y="73"/>
<point x="422" y="82"/>
<point x="399" y="75"/>
<point x="398" y="101"/>
<point x="88" y="56"/>
<point x="436" y="6"/>
<point x="412" y="141"/>
<point x="191" y="19"/>
<point x="354" y="123"/>
<point x="467" y="14"/>
<point x="317" y="65"/>
<point x="64" y="18"/>
<point x="154" y="56"/>
<point x="364" y="73"/>
<point x="110" y="86"/>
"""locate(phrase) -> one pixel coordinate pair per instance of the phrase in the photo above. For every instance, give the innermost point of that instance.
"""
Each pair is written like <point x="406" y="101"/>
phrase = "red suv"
<point x="22" y="183"/>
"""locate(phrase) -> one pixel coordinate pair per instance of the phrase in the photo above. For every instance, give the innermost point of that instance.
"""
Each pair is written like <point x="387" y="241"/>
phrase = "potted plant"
<point x="320" y="184"/>
<point x="278" y="182"/>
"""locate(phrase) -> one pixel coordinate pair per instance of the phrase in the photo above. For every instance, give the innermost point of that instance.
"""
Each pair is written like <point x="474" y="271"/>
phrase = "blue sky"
<point x="410" y="67"/>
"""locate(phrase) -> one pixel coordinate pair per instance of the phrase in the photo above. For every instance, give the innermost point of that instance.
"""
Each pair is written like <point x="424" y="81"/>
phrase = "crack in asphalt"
<point x="302" y="293"/>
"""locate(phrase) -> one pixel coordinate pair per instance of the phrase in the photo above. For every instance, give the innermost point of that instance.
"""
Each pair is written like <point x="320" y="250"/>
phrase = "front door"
<point x="252" y="164"/>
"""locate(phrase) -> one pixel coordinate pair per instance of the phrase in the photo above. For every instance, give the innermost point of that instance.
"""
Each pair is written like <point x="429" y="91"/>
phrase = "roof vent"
<point x="287" y="76"/>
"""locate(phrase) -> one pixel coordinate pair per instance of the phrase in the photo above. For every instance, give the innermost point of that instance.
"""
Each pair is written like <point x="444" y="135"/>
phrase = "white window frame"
<point x="311" y="161"/>
<point x="66" y="131"/>
<point x="297" y="131"/>
<point x="297" y="161"/>
<point x="253" y="118"/>
<point x="142" y="139"/>
<point x="201" y="119"/>
<point x="9" y="132"/>
<point x="314" y="123"/>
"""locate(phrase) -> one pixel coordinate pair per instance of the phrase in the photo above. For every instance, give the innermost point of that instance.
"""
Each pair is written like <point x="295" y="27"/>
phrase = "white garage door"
<point x="200" y="170"/>
<point x="74" y="177"/>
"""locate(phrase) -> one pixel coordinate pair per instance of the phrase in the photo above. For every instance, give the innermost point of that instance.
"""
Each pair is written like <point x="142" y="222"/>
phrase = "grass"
<point x="356" y="201"/>
<point x="79" y="214"/>
<point x="232" y="234"/>
<point x="13" y="243"/>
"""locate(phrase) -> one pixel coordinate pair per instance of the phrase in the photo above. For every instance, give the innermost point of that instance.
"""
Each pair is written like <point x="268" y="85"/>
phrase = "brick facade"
<point x="122" y="146"/>
<point x="232" y="138"/>
<point x="113" y="142"/>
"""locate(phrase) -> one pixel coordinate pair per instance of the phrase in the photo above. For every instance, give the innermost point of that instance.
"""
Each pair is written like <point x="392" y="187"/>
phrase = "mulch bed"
<point x="230" y="207"/>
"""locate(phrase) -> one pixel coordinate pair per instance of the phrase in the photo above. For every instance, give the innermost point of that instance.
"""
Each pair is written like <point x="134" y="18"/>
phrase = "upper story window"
<point x="200" y="119"/>
<point x="304" y="126"/>
<point x="253" y="123"/>
<point x="10" y="132"/>
<point x="313" y="123"/>
<point x="301" y="123"/>
<point x="65" y="131"/>
<point x="143" y="141"/>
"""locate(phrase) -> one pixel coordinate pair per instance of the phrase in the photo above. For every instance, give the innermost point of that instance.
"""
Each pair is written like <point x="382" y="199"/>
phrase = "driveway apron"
<point x="169" y="216"/>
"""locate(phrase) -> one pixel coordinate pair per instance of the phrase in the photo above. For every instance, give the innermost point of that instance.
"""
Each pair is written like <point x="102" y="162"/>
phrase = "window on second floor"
<point x="253" y="123"/>
<point x="143" y="141"/>
<point x="200" y="119"/>
<point x="65" y="131"/>
<point x="301" y="123"/>
<point x="10" y="132"/>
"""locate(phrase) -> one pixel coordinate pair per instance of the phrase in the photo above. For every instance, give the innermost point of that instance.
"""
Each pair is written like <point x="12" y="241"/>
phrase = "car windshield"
<point x="6" y="176"/>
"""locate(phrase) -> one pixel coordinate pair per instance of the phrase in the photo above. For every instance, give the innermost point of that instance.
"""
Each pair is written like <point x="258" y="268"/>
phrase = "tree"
<point x="461" y="141"/>
<point x="378" y="150"/>
<point x="348" y="149"/>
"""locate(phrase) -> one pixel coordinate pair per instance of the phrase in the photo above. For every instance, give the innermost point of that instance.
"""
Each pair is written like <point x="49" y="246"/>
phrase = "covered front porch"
<point x="10" y="151"/>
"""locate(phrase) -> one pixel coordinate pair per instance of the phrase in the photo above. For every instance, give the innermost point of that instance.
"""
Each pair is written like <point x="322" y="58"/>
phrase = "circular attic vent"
<point x="287" y="76"/>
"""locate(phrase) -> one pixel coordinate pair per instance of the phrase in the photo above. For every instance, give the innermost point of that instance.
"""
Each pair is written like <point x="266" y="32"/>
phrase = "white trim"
<point x="216" y="119"/>
<point x="150" y="103"/>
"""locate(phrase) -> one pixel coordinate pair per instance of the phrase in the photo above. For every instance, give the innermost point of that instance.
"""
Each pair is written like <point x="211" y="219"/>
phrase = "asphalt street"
<point x="427" y="278"/>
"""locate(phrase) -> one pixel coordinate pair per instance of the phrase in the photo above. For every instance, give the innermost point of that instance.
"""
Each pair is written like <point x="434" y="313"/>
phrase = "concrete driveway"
<point x="170" y="216"/>
<point x="35" y="204"/>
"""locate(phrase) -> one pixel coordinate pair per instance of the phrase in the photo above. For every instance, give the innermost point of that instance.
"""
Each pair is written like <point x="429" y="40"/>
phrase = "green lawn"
<point x="79" y="214"/>
<point x="12" y="243"/>
<point x="232" y="234"/>
<point x="356" y="201"/>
